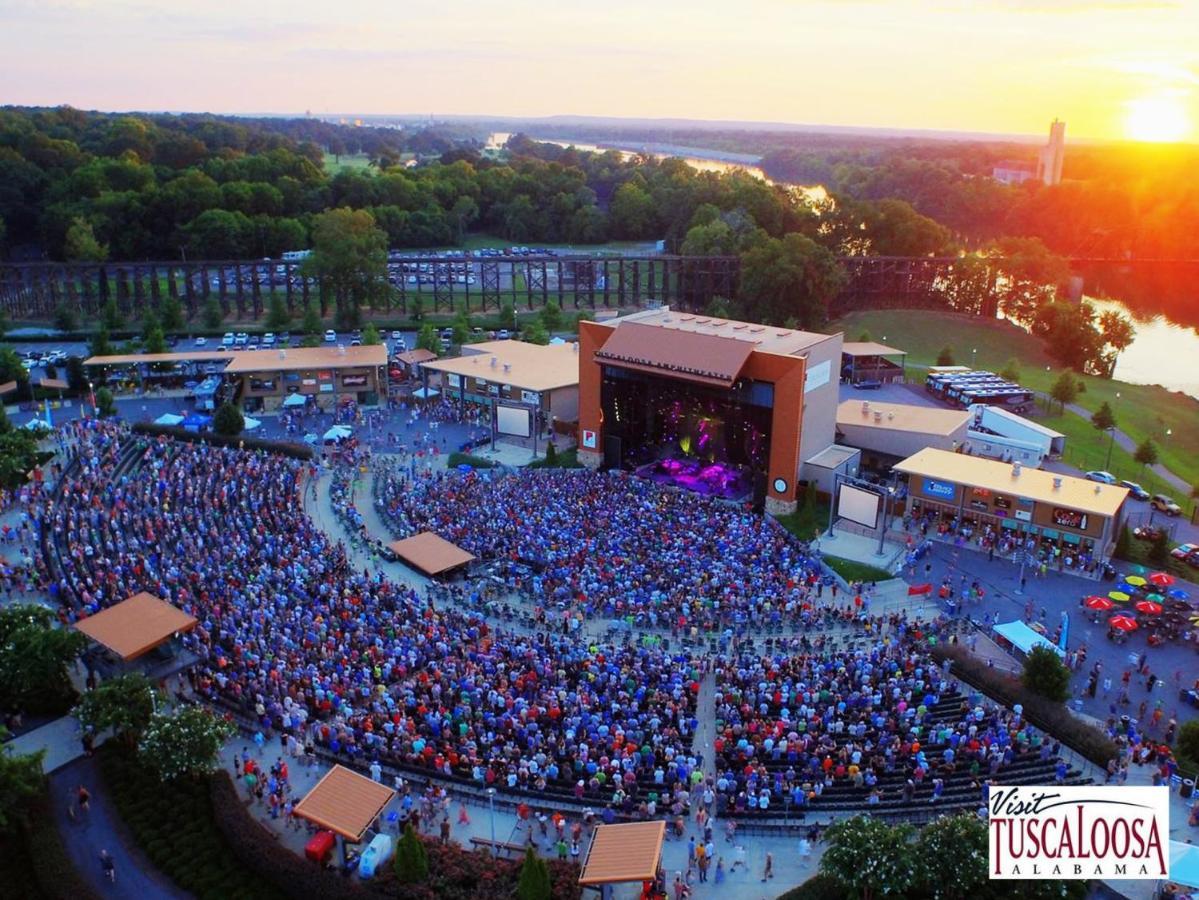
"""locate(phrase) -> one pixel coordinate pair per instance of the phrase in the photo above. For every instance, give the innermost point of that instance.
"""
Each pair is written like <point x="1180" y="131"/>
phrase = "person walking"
<point x="107" y="866"/>
<point x="768" y="872"/>
<point x="83" y="799"/>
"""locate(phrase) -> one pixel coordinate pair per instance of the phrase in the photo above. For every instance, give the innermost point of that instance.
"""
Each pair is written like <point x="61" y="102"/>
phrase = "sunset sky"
<point x="1110" y="68"/>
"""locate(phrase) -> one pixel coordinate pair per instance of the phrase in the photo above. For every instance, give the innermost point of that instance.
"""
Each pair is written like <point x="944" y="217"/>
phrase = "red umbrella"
<point x="1122" y="623"/>
<point x="1161" y="579"/>
<point x="1099" y="603"/>
<point x="1149" y="607"/>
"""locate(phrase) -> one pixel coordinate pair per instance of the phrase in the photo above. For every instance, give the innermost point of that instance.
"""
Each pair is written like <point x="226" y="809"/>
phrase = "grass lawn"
<point x="1142" y="411"/>
<point x="348" y="162"/>
<point x="852" y="571"/>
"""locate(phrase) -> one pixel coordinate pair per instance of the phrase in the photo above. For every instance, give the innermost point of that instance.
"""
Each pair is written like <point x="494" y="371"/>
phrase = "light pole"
<point x="974" y="358"/>
<point x="1112" y="436"/>
<point x="882" y="532"/>
<point x="491" y="814"/>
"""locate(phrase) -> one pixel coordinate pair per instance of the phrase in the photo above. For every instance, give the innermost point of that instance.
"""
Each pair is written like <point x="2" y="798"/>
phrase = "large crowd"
<point x="612" y="545"/>
<point x="292" y="635"/>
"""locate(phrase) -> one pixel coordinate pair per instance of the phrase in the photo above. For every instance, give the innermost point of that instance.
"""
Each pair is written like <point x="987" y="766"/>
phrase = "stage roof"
<point x="624" y="853"/>
<point x="767" y="338"/>
<point x="344" y="802"/>
<point x="419" y="355"/>
<point x="430" y="553"/>
<point x="869" y="348"/>
<point x="136" y="626"/>
<point x="691" y="355"/>
<point x="530" y="367"/>
<point x="53" y="384"/>
<point x="7" y="388"/>
<point x="306" y="358"/>
<point x="1035" y="484"/>
<point x="902" y="417"/>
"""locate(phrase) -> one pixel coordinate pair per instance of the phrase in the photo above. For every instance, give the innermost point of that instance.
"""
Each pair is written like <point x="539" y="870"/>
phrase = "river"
<point x="1163" y="352"/>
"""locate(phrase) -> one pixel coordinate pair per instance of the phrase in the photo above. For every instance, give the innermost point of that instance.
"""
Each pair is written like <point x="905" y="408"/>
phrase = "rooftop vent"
<point x="865" y="407"/>
<point x="878" y="415"/>
<point x="1057" y="484"/>
<point x="283" y="354"/>
<point x="1015" y="470"/>
<point x="494" y="362"/>
<point x="507" y="367"/>
<point x="1098" y="488"/>
<point x="341" y="349"/>
<point x="575" y="346"/>
<point x="890" y="416"/>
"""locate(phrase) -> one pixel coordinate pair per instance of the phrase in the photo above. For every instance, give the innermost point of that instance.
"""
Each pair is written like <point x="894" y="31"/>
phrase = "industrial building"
<point x="717" y="406"/>
<point x="889" y="432"/>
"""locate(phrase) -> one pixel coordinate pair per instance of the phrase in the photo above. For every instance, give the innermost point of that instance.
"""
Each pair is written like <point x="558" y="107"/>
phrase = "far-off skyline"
<point x="1113" y="69"/>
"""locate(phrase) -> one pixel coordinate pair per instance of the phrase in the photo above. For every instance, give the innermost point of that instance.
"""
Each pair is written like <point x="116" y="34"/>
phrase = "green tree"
<point x="125" y="704"/>
<point x="1146" y="453"/>
<point x="1188" y="741"/>
<point x="153" y="339"/>
<point x="228" y="420"/>
<point x="1123" y="544"/>
<point x="461" y="329"/>
<point x="21" y="780"/>
<point x="1011" y="371"/>
<point x="792" y="276"/>
<point x="277" y="316"/>
<point x="865" y="337"/>
<point x="1103" y="418"/>
<point x="66" y="318"/>
<point x="945" y="356"/>
<point x="172" y="313"/>
<point x="370" y="335"/>
<point x="551" y="455"/>
<point x="81" y="245"/>
<point x="311" y="324"/>
<point x="111" y="317"/>
<point x="1064" y="390"/>
<point x="631" y="212"/>
<point x="105" y="405"/>
<point x="412" y="859"/>
<point x="35" y="654"/>
<point x="535" y="333"/>
<point x="719" y="307"/>
<point x="508" y="316"/>
<point x="185" y="743"/>
<point x="349" y="260"/>
<point x="534" y="882"/>
<point x="19" y="454"/>
<point x="213" y="314"/>
<point x="1046" y="674"/>
<point x="551" y="316"/>
<point x="870" y="857"/>
<point x="427" y="339"/>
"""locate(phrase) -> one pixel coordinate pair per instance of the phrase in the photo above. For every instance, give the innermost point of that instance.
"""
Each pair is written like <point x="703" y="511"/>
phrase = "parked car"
<point x="1162" y="503"/>
<point x="1148" y="533"/>
<point x="1192" y="559"/>
<point x="201" y="342"/>
<point x="1137" y="492"/>
<point x="268" y="340"/>
<point x="1182" y="551"/>
<point x="397" y="336"/>
<point x="228" y="339"/>
<point x="241" y="339"/>
<point x="1101" y="476"/>
<point x="503" y="334"/>
<point x="330" y="336"/>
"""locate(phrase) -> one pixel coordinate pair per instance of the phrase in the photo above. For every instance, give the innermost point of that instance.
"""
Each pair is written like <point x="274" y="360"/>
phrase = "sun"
<point x="1157" y="119"/>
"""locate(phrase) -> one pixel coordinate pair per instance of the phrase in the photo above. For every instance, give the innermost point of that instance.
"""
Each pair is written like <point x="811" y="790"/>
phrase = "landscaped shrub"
<point x="461" y="459"/>
<point x="53" y="870"/>
<point x="173" y="823"/>
<point x="297" y="451"/>
<point x="1049" y="716"/>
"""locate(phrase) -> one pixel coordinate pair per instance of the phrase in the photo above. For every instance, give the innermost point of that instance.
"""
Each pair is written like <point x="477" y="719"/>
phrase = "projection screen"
<point x="512" y="420"/>
<point x="858" y="505"/>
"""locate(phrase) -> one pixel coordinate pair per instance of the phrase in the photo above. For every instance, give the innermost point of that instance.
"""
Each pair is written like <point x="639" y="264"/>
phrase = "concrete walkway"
<point x="60" y="740"/>
<point x="1126" y="443"/>
<point x="85" y="835"/>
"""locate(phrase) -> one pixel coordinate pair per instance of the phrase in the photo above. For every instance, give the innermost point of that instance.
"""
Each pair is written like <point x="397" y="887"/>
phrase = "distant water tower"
<point x="1049" y="161"/>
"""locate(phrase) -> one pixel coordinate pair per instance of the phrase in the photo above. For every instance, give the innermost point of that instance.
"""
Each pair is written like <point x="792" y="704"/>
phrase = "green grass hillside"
<point x="1142" y="411"/>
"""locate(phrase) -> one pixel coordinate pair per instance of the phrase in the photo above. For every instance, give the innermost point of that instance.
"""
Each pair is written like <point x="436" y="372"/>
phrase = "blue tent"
<point x="1184" y="863"/>
<point x="195" y="421"/>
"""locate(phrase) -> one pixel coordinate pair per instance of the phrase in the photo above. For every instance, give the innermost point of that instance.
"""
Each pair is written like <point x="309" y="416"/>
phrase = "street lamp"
<point x="1111" y="440"/>
<point x="974" y="358"/>
<point x="491" y="811"/>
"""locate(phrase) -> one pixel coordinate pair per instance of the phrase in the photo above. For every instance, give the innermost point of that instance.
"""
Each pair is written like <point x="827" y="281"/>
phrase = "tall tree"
<point x="1103" y="418"/>
<point x="277" y="316"/>
<point x="1064" y="390"/>
<point x="21" y="780"/>
<point x="349" y="259"/>
<point x="80" y="244"/>
<point x="35" y="653"/>
<point x="124" y="703"/>
<point x="792" y="276"/>
<point x="184" y="743"/>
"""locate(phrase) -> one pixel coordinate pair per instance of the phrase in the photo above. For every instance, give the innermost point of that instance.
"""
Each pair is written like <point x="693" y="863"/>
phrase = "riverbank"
<point x="1169" y="418"/>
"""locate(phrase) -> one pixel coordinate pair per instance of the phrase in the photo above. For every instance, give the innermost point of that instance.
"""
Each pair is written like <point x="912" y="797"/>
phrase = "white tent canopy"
<point x="425" y="393"/>
<point x="338" y="433"/>
<point x="1024" y="638"/>
<point x="168" y="419"/>
<point x="37" y="425"/>
<point x="295" y="400"/>
<point x="1184" y="863"/>
<point x="251" y="424"/>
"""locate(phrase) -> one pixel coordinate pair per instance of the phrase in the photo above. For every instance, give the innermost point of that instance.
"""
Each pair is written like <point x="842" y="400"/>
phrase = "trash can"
<point x="1187" y="789"/>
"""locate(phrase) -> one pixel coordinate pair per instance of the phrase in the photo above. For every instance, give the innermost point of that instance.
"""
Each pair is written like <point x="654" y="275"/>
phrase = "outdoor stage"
<point x="713" y="479"/>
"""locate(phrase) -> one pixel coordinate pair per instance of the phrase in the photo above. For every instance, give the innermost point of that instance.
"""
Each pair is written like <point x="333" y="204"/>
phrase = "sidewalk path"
<point x="1128" y="444"/>
<point x="101" y="829"/>
<point x="60" y="740"/>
